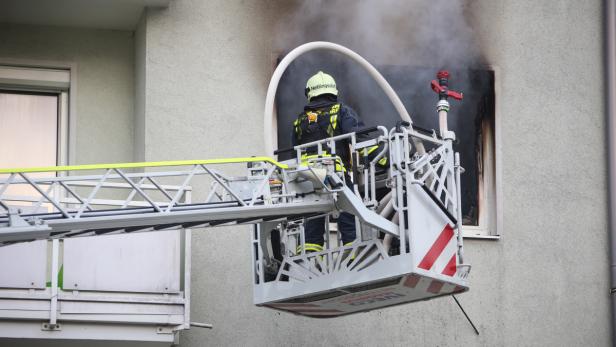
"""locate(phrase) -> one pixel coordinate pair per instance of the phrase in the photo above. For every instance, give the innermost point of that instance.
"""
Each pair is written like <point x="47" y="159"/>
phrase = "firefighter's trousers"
<point x="314" y="229"/>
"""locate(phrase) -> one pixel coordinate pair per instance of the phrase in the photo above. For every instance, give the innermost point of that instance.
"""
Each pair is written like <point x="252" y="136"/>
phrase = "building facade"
<point x="188" y="80"/>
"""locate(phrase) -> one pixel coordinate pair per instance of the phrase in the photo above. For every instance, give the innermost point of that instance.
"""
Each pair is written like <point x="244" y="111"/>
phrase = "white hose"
<point x="442" y="123"/>
<point x="383" y="202"/>
<point x="269" y="121"/>
<point x="388" y="238"/>
<point x="387" y="210"/>
<point x="269" y="115"/>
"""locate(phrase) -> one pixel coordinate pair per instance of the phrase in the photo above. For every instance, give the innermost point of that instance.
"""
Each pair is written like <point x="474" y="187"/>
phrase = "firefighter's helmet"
<point x="319" y="84"/>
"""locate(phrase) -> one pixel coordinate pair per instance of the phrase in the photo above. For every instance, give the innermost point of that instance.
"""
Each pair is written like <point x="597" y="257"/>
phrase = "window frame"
<point x="48" y="76"/>
<point x="490" y="188"/>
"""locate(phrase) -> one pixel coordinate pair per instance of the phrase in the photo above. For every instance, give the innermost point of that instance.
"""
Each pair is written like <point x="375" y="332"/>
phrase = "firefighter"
<point x="325" y="116"/>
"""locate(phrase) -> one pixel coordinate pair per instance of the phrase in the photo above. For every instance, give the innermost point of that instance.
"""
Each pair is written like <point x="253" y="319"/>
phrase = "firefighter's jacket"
<point x="322" y="118"/>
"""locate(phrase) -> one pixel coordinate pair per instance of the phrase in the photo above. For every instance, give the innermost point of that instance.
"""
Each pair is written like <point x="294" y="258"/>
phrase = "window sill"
<point x="482" y="237"/>
<point x="478" y="232"/>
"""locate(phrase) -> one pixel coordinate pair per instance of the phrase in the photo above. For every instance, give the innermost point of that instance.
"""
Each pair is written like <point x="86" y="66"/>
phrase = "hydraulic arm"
<point x="63" y="206"/>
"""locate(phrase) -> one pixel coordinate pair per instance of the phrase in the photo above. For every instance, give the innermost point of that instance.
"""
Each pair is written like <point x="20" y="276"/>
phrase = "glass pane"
<point x="28" y="135"/>
<point x="28" y="129"/>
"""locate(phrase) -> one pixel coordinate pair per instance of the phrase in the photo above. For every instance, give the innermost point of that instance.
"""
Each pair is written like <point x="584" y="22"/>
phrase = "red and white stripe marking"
<point x="431" y="285"/>
<point x="306" y="309"/>
<point x="441" y="256"/>
<point x="434" y="244"/>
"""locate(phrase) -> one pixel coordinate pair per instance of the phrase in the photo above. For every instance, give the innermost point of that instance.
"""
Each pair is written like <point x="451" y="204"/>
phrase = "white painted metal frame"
<point x="43" y="82"/>
<point x="61" y="78"/>
<point x="74" y="213"/>
<point x="490" y="221"/>
<point x="165" y="310"/>
<point x="322" y="283"/>
<point x="57" y="77"/>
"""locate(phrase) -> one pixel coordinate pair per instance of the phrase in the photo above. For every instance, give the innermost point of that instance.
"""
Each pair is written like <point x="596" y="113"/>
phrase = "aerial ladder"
<point x="408" y="243"/>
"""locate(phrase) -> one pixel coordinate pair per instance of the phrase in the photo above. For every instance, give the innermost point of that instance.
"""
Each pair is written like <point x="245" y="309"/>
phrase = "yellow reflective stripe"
<point x="144" y="164"/>
<point x="297" y="125"/>
<point x="333" y="121"/>
<point x="339" y="165"/>
<point x="310" y="247"/>
<point x="324" y="155"/>
<point x="369" y="150"/>
<point x="314" y="249"/>
<point x="351" y="251"/>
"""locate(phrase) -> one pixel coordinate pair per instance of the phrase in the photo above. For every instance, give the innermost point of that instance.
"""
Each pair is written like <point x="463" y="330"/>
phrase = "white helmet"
<point x="319" y="84"/>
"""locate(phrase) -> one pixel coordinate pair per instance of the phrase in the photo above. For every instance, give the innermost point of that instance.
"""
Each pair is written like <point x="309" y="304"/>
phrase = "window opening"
<point x="472" y="119"/>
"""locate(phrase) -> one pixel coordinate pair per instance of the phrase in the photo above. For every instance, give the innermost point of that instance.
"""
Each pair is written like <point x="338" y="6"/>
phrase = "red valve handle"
<point x="455" y="95"/>
<point x="436" y="87"/>
<point x="442" y="74"/>
<point x="441" y="89"/>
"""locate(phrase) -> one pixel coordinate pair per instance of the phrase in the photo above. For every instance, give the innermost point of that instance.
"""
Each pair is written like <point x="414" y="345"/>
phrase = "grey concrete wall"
<point x="553" y="285"/>
<point x="104" y="60"/>
<point x="76" y="343"/>
<point x="207" y="66"/>
<point x="140" y="78"/>
<point x="543" y="283"/>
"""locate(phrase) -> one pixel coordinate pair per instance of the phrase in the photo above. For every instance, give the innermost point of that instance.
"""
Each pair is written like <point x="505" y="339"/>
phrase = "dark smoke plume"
<point x="392" y="32"/>
<point x="408" y="41"/>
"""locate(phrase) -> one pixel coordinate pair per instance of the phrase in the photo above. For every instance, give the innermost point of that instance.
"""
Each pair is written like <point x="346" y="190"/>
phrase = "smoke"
<point x="408" y="41"/>
<point x="434" y="33"/>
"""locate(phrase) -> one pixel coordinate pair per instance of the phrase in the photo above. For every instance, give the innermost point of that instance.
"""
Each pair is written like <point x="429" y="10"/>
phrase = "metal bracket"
<point x="350" y="202"/>
<point x="15" y="219"/>
<point x="201" y="325"/>
<point x="449" y="135"/>
<point x="463" y="270"/>
<point x="51" y="327"/>
<point x="165" y="330"/>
